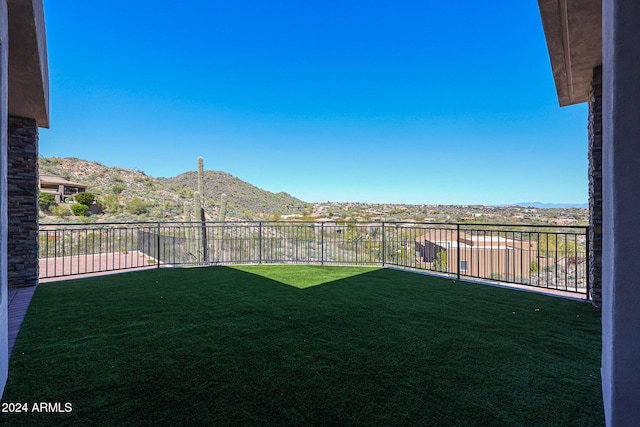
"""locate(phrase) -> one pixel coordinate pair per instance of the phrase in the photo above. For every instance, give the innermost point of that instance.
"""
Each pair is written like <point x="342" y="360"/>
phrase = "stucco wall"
<point x="621" y="204"/>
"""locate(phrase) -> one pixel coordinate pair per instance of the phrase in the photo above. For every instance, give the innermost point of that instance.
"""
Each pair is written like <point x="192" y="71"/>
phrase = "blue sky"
<point x="329" y="100"/>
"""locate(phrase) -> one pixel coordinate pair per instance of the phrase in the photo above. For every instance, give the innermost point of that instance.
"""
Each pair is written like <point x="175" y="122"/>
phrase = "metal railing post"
<point x="158" y="246"/>
<point x="384" y="247"/>
<point x="260" y="242"/>
<point x="322" y="243"/>
<point x="458" y="260"/>
<point x="354" y="238"/>
<point x="205" y="243"/>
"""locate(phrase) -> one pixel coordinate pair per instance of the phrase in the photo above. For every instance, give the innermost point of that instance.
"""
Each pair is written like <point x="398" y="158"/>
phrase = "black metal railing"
<point x="551" y="257"/>
<point x="71" y="249"/>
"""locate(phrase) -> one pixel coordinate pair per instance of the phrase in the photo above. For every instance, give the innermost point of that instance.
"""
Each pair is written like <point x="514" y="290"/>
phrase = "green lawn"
<point x="304" y="345"/>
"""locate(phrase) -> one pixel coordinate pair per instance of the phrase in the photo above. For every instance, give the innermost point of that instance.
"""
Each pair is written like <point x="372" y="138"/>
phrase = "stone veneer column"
<point x="23" y="189"/>
<point x="595" y="188"/>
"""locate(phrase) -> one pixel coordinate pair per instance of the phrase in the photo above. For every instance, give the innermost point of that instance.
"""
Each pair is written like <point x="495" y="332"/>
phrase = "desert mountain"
<point x="164" y="198"/>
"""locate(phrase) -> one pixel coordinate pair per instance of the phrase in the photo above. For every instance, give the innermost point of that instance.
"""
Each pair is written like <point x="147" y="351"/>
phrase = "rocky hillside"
<point x="242" y="198"/>
<point x="164" y="198"/>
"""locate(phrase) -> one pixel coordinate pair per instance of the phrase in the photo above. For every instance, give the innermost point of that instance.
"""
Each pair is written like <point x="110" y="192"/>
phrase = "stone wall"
<point x="23" y="190"/>
<point x="595" y="187"/>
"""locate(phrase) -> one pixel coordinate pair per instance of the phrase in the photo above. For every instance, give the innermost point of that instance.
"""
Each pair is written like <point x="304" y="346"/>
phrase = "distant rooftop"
<point x="58" y="180"/>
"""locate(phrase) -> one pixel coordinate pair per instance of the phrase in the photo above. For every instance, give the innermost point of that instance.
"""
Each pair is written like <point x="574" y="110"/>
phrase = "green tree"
<point x="46" y="200"/>
<point x="550" y="244"/>
<point x="187" y="192"/>
<point x="85" y="198"/>
<point x="440" y="263"/>
<point x="111" y="203"/>
<point x="137" y="206"/>
<point x="117" y="188"/>
<point x="534" y="267"/>
<point x="60" y="211"/>
<point x="79" y="209"/>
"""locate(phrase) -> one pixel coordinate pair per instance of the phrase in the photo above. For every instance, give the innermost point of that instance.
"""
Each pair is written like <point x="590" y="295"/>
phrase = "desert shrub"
<point x="60" y="211"/>
<point x="85" y="198"/>
<point x="137" y="206"/>
<point x="79" y="209"/>
<point x="111" y="203"/>
<point x="187" y="192"/>
<point x="440" y="263"/>
<point x="53" y="161"/>
<point x="117" y="188"/>
<point x="534" y="267"/>
<point x="46" y="200"/>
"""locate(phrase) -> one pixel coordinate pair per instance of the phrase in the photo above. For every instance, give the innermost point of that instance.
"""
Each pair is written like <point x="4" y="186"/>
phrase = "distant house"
<point x="61" y="188"/>
<point x="292" y="216"/>
<point x="325" y="220"/>
<point x="566" y="220"/>
<point x="481" y="254"/>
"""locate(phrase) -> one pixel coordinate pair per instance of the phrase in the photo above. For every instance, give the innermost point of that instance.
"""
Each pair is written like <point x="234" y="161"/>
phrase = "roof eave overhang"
<point x="28" y="64"/>
<point x="573" y="30"/>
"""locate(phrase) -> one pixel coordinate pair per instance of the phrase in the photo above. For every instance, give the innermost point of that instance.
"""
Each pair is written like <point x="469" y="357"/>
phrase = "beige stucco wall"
<point x="510" y="264"/>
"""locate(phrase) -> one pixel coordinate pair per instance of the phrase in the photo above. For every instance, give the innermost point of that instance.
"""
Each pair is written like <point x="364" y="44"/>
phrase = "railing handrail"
<point x="340" y="222"/>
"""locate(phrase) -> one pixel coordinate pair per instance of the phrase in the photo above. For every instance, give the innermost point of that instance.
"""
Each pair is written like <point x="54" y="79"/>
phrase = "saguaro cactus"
<point x="196" y="214"/>
<point x="196" y="203"/>
<point x="223" y="208"/>
<point x="187" y="212"/>
<point x="201" y="180"/>
<point x="199" y="208"/>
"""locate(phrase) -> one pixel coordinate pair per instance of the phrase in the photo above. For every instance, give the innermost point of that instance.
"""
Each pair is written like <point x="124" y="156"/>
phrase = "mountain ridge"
<point x="165" y="197"/>
<point x="542" y="205"/>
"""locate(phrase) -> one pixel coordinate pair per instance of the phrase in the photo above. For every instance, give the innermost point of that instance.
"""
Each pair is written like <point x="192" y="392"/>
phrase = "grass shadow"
<point x="229" y="346"/>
